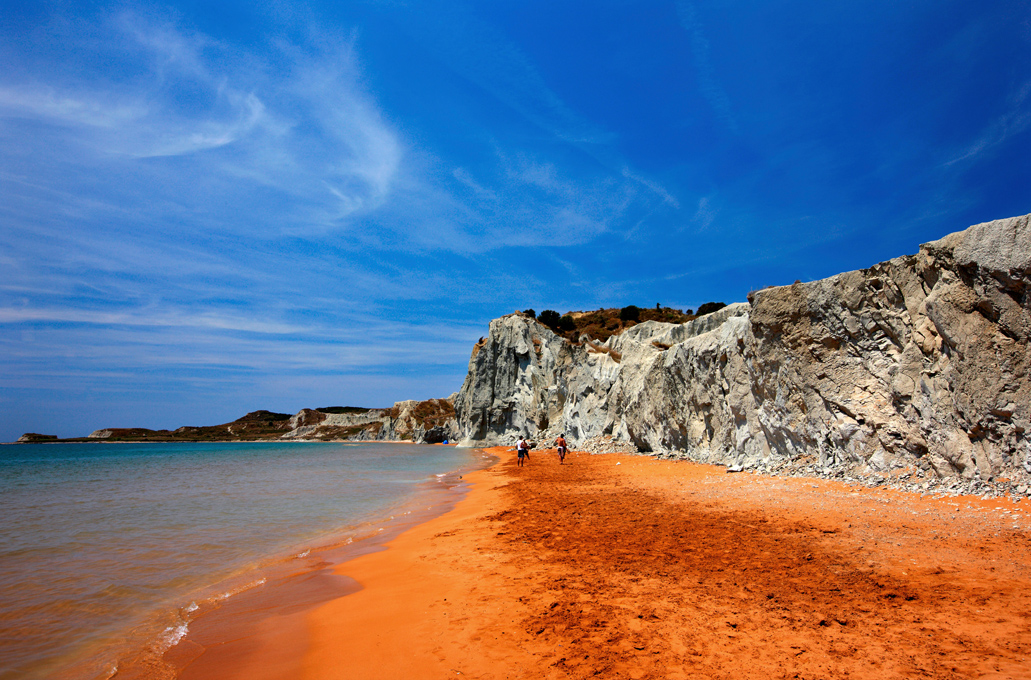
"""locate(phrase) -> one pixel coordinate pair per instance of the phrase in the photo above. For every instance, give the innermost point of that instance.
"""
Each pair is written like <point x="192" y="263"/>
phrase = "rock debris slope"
<point x="920" y="361"/>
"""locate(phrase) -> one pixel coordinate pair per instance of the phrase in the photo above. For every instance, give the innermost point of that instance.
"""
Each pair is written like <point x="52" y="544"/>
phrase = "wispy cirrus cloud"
<point x="708" y="83"/>
<point x="705" y="214"/>
<point x="466" y="178"/>
<point x="150" y="318"/>
<point x="80" y="109"/>
<point x="1014" y="121"/>
<point x="652" y="186"/>
<point x="137" y="115"/>
<point x="310" y="132"/>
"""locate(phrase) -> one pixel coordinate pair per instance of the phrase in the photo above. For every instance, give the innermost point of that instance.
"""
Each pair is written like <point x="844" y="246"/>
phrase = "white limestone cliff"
<point x="919" y="361"/>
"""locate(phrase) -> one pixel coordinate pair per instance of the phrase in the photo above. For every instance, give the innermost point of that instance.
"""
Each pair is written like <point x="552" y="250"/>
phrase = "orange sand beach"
<point x="619" y="566"/>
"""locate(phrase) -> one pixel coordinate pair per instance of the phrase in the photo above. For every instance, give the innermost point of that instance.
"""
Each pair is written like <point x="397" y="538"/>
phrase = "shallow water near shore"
<point x="110" y="549"/>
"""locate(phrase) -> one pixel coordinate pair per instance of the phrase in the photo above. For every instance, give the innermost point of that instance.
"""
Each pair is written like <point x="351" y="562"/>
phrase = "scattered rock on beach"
<point x="607" y="444"/>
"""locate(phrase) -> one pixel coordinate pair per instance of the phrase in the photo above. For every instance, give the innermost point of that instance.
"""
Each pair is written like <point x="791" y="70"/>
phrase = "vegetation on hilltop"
<point x="604" y="323"/>
<point x="254" y="425"/>
<point x="35" y="437"/>
<point x="337" y="410"/>
<point x="265" y="417"/>
<point x="710" y="307"/>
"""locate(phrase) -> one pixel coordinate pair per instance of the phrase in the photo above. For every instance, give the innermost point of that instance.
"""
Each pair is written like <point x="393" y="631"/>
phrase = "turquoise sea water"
<point x="104" y="546"/>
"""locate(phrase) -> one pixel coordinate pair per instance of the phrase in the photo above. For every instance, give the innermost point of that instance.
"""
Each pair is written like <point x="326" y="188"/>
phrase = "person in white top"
<point x="523" y="451"/>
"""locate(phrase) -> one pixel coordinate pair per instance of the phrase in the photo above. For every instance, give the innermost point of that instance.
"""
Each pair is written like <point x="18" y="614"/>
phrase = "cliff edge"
<point x="921" y="361"/>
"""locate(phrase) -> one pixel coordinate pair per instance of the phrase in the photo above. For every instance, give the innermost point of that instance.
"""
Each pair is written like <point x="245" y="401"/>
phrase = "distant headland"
<point x="426" y="421"/>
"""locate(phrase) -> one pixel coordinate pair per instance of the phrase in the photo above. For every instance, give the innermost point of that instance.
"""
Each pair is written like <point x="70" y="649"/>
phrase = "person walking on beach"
<point x="522" y="451"/>
<point x="560" y="443"/>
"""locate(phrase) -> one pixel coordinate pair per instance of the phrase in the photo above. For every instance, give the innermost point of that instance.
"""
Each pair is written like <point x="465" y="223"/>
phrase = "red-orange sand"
<point x="627" y="567"/>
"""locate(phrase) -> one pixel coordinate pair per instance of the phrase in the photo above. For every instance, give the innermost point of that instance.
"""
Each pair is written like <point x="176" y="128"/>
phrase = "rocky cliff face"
<point x="430" y="421"/>
<point x="920" y="361"/>
<point x="312" y="424"/>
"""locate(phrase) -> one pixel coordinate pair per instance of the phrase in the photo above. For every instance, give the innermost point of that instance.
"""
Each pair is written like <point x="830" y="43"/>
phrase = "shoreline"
<point x="629" y="567"/>
<point x="217" y="548"/>
<point x="223" y="633"/>
<point x="225" y="441"/>
<point x="395" y="626"/>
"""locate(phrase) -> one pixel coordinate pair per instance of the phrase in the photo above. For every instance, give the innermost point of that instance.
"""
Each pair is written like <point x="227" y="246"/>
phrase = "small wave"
<point x="443" y="474"/>
<point x="191" y="608"/>
<point x="172" y="635"/>
<point x="304" y="554"/>
<point x="236" y="591"/>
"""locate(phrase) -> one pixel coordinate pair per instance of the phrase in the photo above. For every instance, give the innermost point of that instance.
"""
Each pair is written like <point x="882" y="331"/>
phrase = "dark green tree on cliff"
<point x="710" y="307"/>
<point x="550" y="318"/>
<point x="630" y="313"/>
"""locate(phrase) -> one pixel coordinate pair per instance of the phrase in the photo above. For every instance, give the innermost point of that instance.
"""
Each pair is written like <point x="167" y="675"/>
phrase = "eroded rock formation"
<point x="919" y="361"/>
<point x="430" y="421"/>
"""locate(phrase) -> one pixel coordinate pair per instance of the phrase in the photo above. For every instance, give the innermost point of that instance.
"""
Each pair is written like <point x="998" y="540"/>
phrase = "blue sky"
<point x="207" y="210"/>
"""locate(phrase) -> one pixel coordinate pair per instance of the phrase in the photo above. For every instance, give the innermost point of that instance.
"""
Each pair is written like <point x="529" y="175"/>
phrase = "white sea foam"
<point x="191" y="608"/>
<point x="236" y="591"/>
<point x="172" y="635"/>
<point x="304" y="554"/>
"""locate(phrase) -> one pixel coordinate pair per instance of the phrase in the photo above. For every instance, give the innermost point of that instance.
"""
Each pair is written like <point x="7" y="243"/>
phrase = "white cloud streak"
<point x="707" y="81"/>
<point x="653" y="186"/>
<point x="206" y="319"/>
<point x="314" y="135"/>
<point x="79" y="109"/>
<point x="1012" y="122"/>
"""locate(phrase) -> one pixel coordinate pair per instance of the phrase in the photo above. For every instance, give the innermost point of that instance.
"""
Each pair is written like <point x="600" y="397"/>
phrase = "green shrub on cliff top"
<point x="550" y="318"/>
<point x="710" y="307"/>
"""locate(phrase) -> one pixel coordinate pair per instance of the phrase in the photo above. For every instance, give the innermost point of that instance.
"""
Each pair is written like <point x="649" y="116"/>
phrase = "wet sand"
<point x="261" y="633"/>
<point x="627" y="567"/>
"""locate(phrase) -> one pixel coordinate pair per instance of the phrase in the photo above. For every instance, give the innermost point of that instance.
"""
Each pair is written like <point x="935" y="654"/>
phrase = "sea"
<point x="107" y="551"/>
